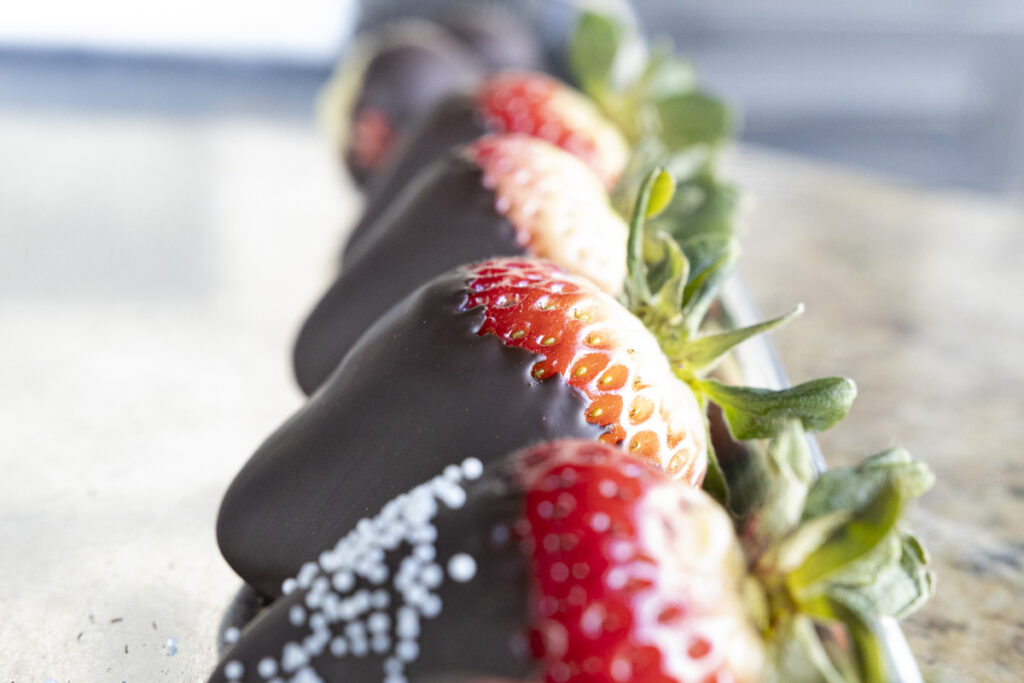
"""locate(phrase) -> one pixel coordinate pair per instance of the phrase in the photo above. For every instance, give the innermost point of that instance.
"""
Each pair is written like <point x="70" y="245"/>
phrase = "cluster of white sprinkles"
<point x="360" y="616"/>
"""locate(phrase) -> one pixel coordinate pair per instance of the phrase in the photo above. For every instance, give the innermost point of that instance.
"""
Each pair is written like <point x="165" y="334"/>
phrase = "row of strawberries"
<point x="498" y="474"/>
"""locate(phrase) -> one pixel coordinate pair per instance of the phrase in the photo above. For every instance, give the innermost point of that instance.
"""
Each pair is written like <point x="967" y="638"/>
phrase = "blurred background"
<point x="168" y="213"/>
<point x="928" y="90"/>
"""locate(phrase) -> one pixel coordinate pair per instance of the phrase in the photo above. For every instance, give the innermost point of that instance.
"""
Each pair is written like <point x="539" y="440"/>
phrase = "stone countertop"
<point x="916" y="295"/>
<point x="153" y="272"/>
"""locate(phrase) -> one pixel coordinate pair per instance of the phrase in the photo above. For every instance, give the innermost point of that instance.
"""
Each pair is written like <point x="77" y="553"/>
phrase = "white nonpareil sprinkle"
<point x="230" y="635"/>
<point x="341" y="587"/>
<point x="234" y="670"/>
<point x="171" y="646"/>
<point x="461" y="567"/>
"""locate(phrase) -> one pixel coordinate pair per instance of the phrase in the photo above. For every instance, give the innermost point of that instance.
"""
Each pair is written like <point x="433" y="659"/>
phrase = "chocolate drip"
<point x="420" y="390"/>
<point x="445" y="219"/>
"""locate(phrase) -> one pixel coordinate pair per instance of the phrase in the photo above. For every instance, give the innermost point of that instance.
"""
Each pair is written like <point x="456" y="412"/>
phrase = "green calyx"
<point x="672" y="299"/>
<point x="658" y="101"/>
<point x="828" y="558"/>
<point x="830" y="551"/>
<point x="826" y="551"/>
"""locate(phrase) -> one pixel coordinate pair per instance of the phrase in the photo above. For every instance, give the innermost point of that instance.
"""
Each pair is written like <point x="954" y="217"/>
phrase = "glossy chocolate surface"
<point x="405" y="80"/>
<point x="446" y="218"/>
<point x="480" y="627"/>
<point x="419" y="391"/>
<point x="452" y="122"/>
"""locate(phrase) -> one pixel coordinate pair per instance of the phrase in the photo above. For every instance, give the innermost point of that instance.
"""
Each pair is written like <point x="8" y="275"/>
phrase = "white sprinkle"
<point x="381" y="599"/>
<point x="408" y="650"/>
<point x="378" y="622"/>
<point x="267" y="667"/>
<point x="234" y="670"/>
<point x="378" y="574"/>
<point x="461" y="567"/>
<point x="431" y="607"/>
<point x="339" y="647"/>
<point x="293" y="657"/>
<point x="381" y="643"/>
<point x="432" y="576"/>
<point x="359" y="647"/>
<point x="408" y="623"/>
<point x="297" y="615"/>
<point x="608" y="488"/>
<point x="306" y="675"/>
<point x="425" y="552"/>
<point x="453" y="473"/>
<point x="306" y="574"/>
<point x="289" y="586"/>
<point x="230" y="635"/>
<point x="472" y="468"/>
<point x="343" y="581"/>
<point x="172" y="643"/>
<point x="600" y="521"/>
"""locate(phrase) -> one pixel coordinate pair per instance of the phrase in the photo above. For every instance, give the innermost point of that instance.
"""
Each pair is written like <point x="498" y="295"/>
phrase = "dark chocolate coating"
<point x="418" y="391"/>
<point x="446" y="218"/>
<point x="453" y="122"/>
<point x="480" y="629"/>
<point x="406" y="79"/>
<point x="497" y="37"/>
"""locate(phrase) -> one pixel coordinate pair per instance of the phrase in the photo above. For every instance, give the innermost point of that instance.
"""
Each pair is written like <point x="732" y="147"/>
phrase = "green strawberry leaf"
<point x="661" y="314"/>
<point x="666" y="74"/>
<point x="703" y="205"/>
<point x="848" y="488"/>
<point x="899" y="584"/>
<point x="705" y="284"/>
<point x="593" y="49"/>
<point x="771" y="492"/>
<point x="661" y="194"/>
<point x="761" y="413"/>
<point x="799" y="655"/>
<point x="694" y="118"/>
<point x="847" y="537"/>
<point x="657" y="185"/>
<point x="714" y="480"/>
<point x="704" y="353"/>
<point x="866" y="636"/>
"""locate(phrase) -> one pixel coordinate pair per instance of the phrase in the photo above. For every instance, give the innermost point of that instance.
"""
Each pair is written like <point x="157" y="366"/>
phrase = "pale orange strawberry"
<point x="556" y="204"/>
<point x="598" y="347"/>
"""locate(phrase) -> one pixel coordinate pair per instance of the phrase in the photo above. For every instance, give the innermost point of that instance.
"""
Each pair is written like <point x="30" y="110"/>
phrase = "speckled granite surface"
<point x="153" y="272"/>
<point x="916" y="295"/>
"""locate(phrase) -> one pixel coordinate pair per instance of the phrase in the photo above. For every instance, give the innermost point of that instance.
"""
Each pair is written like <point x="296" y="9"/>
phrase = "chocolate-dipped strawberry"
<point x="501" y="195"/>
<point x="510" y="102"/>
<point x="498" y="355"/>
<point x="576" y="561"/>
<point x="391" y="79"/>
<point x="570" y="561"/>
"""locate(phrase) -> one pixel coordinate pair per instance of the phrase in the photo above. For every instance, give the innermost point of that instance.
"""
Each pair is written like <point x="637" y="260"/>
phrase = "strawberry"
<point x="500" y="195"/>
<point x="499" y="355"/>
<point x="634" y="577"/>
<point x="609" y="570"/>
<point x="508" y="102"/>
